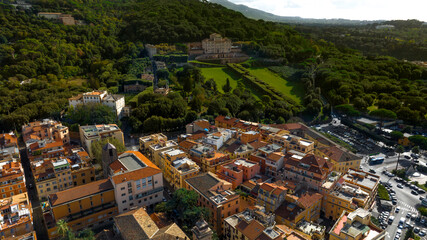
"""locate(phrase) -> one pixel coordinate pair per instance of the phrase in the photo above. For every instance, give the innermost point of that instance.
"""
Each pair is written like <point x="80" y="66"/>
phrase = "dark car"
<point x="414" y="192"/>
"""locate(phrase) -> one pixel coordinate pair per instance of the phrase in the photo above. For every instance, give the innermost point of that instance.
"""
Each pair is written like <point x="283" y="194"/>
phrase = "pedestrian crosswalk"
<point x="407" y="207"/>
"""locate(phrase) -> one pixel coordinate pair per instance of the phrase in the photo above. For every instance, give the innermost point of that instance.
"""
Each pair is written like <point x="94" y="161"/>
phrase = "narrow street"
<point x="38" y="220"/>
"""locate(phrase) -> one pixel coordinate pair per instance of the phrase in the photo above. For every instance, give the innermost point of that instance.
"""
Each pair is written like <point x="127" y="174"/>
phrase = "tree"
<point x="416" y="150"/>
<point x="383" y="114"/>
<point x="184" y="209"/>
<point x="97" y="146"/>
<point x="419" y="140"/>
<point x="399" y="150"/>
<point x="227" y="87"/>
<point x="396" y="135"/>
<point x="62" y="228"/>
<point x="89" y="114"/>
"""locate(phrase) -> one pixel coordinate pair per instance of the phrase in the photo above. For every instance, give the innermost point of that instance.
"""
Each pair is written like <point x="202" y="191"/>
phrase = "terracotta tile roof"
<point x="117" y="166"/>
<point x="226" y="120"/>
<point x="136" y="225"/>
<point x="275" y="156"/>
<point x="252" y="230"/>
<point x="187" y="144"/>
<point x="36" y="146"/>
<point x="80" y="192"/>
<point x="216" y="156"/>
<point x="258" y="144"/>
<point x="8" y="139"/>
<point x="197" y="136"/>
<point x="78" y="97"/>
<point x="202" y="124"/>
<point x="309" y="198"/>
<point x="136" y="175"/>
<point x="288" y="213"/>
<point x="339" y="155"/>
<point x="316" y="164"/>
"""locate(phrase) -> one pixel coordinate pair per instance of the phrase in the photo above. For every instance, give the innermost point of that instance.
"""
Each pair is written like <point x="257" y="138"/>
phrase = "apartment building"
<point x="114" y="101"/>
<point x="137" y="224"/>
<point x="341" y="158"/>
<point x="235" y="123"/>
<point x="274" y="163"/>
<point x="45" y="178"/>
<point x="182" y="169"/>
<point x="46" y="129"/>
<point x="356" y="225"/>
<point x="187" y="145"/>
<point x="155" y="150"/>
<point x="261" y="154"/>
<point x="92" y="133"/>
<point x="41" y="149"/>
<point x="355" y="189"/>
<point x="310" y="170"/>
<point x="52" y="175"/>
<point x="82" y="170"/>
<point x="89" y="206"/>
<point x="208" y="158"/>
<point x="62" y="170"/>
<point x="296" y="209"/>
<point x="238" y="171"/>
<point x="147" y="141"/>
<point x="216" y="195"/>
<point x="252" y="224"/>
<point x="239" y="150"/>
<point x="218" y="139"/>
<point x="136" y="180"/>
<point x="15" y="217"/>
<point x="12" y="180"/>
<point x="291" y="142"/>
<point x="216" y="44"/>
<point x="166" y="159"/>
<point x="8" y="147"/>
<point x="271" y="196"/>
<point x="198" y="125"/>
<point x="202" y="231"/>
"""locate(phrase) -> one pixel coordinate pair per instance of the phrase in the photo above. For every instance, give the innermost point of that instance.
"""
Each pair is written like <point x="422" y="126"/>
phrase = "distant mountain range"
<point x="258" y="14"/>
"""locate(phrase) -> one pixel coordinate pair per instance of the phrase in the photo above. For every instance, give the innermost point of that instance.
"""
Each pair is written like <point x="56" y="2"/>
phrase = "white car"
<point x="397" y="209"/>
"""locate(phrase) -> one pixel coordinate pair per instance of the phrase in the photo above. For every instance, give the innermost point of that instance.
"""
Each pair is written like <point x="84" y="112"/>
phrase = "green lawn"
<point x="220" y="76"/>
<point x="293" y="90"/>
<point x="382" y="193"/>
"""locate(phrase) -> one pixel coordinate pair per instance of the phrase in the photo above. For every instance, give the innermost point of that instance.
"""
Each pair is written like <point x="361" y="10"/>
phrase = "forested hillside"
<point x="42" y="63"/>
<point x="405" y="40"/>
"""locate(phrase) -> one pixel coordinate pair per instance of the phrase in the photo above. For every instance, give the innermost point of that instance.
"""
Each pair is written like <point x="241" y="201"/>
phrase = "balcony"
<point x="89" y="211"/>
<point x="148" y="193"/>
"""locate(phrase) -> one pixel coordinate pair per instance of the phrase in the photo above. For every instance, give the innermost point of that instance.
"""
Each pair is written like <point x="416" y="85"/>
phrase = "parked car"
<point x="414" y="192"/>
<point x="399" y="185"/>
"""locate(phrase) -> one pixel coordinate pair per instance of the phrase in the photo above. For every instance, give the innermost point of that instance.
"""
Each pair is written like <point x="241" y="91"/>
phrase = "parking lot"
<point x="360" y="142"/>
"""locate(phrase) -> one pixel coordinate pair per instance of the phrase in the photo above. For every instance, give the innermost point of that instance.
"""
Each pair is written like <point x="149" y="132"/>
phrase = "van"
<point x="402" y="220"/>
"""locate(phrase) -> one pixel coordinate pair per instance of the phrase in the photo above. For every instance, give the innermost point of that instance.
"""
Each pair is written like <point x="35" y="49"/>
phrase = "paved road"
<point x="38" y="220"/>
<point x="406" y="201"/>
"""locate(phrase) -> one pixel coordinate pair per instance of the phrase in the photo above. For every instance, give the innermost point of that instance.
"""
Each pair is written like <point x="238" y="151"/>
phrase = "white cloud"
<point x="348" y="9"/>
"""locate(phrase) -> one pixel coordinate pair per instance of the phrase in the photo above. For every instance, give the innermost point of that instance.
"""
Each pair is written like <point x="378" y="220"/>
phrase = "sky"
<point x="348" y="9"/>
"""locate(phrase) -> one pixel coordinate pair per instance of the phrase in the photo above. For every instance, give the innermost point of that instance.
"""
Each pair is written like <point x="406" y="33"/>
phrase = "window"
<point x="124" y="201"/>
<point x="123" y="194"/>
<point x="123" y="188"/>
<point x="10" y="188"/>
<point x="83" y="174"/>
<point x="138" y="185"/>
<point x="130" y="198"/>
<point x="48" y="189"/>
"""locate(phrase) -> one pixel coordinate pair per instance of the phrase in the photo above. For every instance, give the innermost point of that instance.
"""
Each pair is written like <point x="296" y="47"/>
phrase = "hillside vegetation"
<point x="40" y="61"/>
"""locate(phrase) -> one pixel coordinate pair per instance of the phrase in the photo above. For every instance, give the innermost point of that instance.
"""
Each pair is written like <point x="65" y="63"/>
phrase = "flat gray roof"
<point x="131" y="162"/>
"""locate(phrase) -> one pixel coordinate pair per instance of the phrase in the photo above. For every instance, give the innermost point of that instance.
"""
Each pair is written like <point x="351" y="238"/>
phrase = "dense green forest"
<point x="42" y="63"/>
<point x="405" y="40"/>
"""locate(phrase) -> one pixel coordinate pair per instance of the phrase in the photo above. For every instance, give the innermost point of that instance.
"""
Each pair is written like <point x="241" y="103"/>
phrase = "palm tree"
<point x="62" y="228"/>
<point x="399" y="150"/>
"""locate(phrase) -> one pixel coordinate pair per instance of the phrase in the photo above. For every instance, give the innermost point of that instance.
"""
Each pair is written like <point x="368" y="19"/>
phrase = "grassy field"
<point x="293" y="90"/>
<point x="220" y="75"/>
